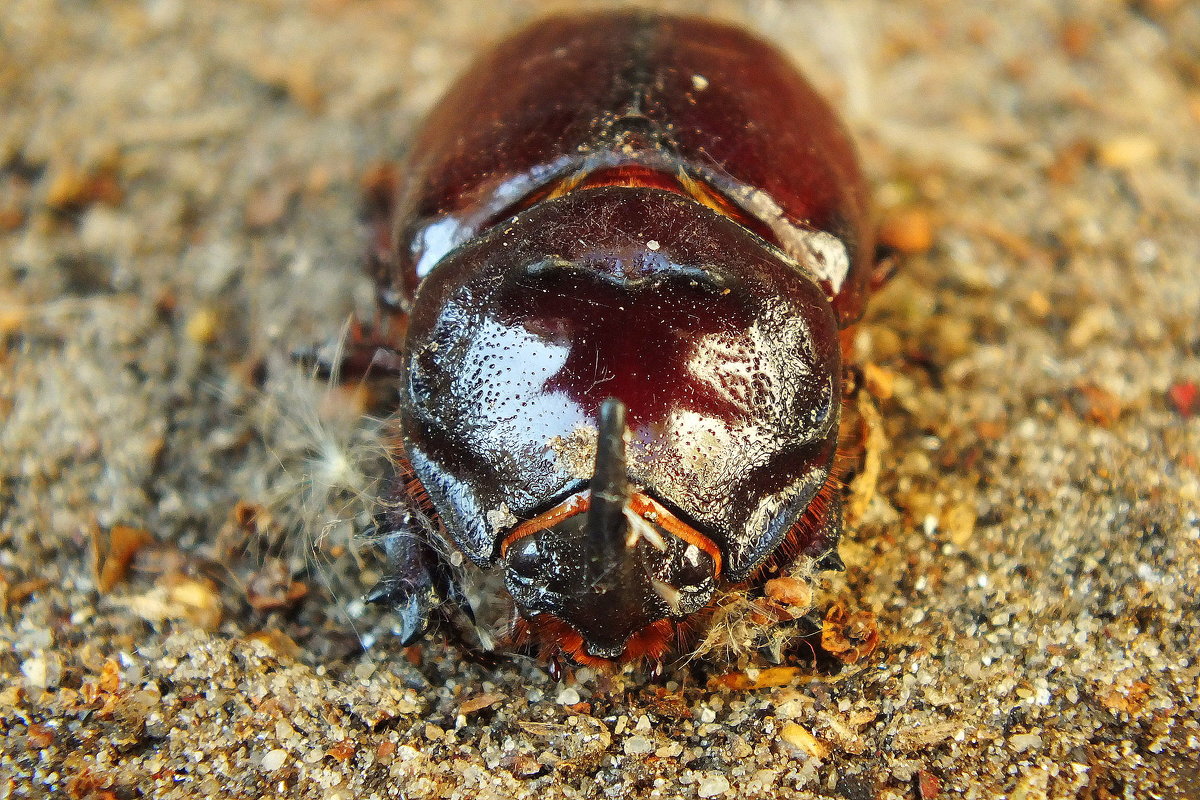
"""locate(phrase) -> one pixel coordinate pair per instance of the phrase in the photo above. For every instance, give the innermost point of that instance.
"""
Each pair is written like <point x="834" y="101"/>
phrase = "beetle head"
<point x="608" y="570"/>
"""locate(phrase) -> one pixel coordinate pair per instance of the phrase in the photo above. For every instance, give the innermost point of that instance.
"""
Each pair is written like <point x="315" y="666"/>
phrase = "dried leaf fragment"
<point x="958" y="520"/>
<point x="17" y="593"/>
<point x="880" y="381"/>
<point x="272" y="588"/>
<point x="1097" y="405"/>
<point x="73" y="189"/>
<point x="789" y="591"/>
<point x="862" y="489"/>
<point x="1129" y="701"/>
<point x="113" y="557"/>
<point x="278" y="641"/>
<point x="928" y="785"/>
<point x="178" y="598"/>
<point x="763" y="679"/>
<point x="799" y="737"/>
<point x="850" y="637"/>
<point x="342" y="751"/>
<point x="479" y="702"/>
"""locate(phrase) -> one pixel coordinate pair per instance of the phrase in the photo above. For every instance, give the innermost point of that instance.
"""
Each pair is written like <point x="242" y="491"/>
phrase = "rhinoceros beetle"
<point x="616" y="268"/>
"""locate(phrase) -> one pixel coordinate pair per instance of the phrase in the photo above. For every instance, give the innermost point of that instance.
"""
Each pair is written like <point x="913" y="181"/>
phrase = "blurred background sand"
<point x="179" y="184"/>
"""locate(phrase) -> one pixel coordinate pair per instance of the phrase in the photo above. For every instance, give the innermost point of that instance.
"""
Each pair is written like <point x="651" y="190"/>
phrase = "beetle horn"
<point x="607" y="526"/>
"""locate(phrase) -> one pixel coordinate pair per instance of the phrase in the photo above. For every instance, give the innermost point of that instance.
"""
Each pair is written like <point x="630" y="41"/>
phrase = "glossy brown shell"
<point x="624" y="246"/>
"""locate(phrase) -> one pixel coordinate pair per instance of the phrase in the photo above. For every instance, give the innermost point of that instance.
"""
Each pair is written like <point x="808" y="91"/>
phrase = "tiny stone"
<point x="35" y="671"/>
<point x="638" y="746"/>
<point x="712" y="786"/>
<point x="1127" y="151"/>
<point x="274" y="760"/>
<point x="653" y="244"/>
<point x="568" y="696"/>
<point x="1025" y="741"/>
<point x="202" y="326"/>
<point x="672" y="750"/>
<point x="908" y="230"/>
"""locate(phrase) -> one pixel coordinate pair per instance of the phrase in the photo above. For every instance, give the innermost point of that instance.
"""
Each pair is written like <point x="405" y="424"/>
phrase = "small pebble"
<point x="1127" y="151"/>
<point x="202" y="326"/>
<point x="568" y="696"/>
<point x="907" y="230"/>
<point x="713" y="786"/>
<point x="1025" y="741"/>
<point x="274" y="760"/>
<point x="672" y="750"/>
<point x="37" y="672"/>
<point x="638" y="746"/>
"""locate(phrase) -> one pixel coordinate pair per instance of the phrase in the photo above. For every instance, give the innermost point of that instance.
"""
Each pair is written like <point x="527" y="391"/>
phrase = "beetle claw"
<point x="414" y="617"/>
<point x="831" y="561"/>
<point x="412" y="604"/>
<point x="417" y="584"/>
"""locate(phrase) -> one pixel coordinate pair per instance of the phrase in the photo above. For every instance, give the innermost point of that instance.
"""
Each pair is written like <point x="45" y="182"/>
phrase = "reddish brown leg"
<point x="363" y="354"/>
<point x="369" y="351"/>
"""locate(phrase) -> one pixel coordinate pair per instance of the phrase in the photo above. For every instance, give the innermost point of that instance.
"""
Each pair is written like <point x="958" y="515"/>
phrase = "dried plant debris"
<point x="179" y="191"/>
<point x="114" y="553"/>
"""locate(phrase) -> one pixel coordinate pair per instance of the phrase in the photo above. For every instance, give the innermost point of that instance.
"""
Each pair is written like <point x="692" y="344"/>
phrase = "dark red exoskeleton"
<point x="619" y="263"/>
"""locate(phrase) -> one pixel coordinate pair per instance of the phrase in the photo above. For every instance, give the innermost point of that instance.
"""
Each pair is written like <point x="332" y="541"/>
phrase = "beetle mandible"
<point x="616" y="268"/>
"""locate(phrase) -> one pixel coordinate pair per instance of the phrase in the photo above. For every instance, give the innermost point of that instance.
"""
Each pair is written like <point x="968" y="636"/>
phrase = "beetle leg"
<point x="361" y="353"/>
<point x="379" y="188"/>
<point x="368" y="351"/>
<point x="831" y="533"/>
<point x="887" y="264"/>
<point x="418" y="581"/>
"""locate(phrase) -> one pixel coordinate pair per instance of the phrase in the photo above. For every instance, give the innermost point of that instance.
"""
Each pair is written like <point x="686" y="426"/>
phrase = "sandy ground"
<point x="178" y="193"/>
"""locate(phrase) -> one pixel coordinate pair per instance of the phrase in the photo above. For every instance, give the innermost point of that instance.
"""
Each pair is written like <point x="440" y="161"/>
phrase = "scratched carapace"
<point x="618" y="263"/>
